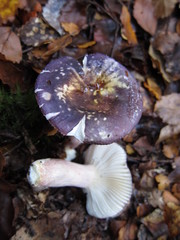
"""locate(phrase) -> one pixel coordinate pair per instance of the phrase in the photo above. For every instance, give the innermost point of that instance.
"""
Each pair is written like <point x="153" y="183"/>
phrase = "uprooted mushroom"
<point x="105" y="178"/>
<point x="99" y="103"/>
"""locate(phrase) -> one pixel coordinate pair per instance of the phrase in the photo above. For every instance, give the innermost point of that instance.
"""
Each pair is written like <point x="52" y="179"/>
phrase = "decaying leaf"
<point x="73" y="13"/>
<point x="128" y="30"/>
<point x="171" y="150"/>
<point x="144" y="14"/>
<point x="36" y="32"/>
<point x="172" y="218"/>
<point x="176" y="190"/>
<point x="71" y="28"/>
<point x="163" y="8"/>
<point x="165" y="53"/>
<point x="168" y="108"/>
<point x="11" y="75"/>
<point x="163" y="181"/>
<point x="168" y="132"/>
<point x="153" y="87"/>
<point x="51" y="12"/>
<point x="169" y="197"/>
<point x="128" y="231"/>
<point x="87" y="44"/>
<point x="155" y="223"/>
<point x="10" y="46"/>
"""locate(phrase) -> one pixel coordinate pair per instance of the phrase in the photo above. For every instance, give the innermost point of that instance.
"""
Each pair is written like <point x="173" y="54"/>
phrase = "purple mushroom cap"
<point x="99" y="102"/>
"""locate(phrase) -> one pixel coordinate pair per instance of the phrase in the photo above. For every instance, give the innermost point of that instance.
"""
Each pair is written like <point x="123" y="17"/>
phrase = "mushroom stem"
<point x="48" y="172"/>
<point x="70" y="148"/>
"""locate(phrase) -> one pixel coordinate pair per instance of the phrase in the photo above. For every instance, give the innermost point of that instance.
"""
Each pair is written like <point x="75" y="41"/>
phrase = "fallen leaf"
<point x="155" y="223"/>
<point x="73" y="13"/>
<point x="176" y="190"/>
<point x="71" y="28"/>
<point x="12" y="75"/>
<point x="129" y="231"/>
<point x="168" y="197"/>
<point x="165" y="52"/>
<point x="143" y="209"/>
<point x="51" y="12"/>
<point x="142" y="146"/>
<point x="57" y="44"/>
<point x="147" y="180"/>
<point x="168" y="108"/>
<point x="163" y="181"/>
<point x="170" y="150"/>
<point x="10" y="46"/>
<point x="172" y="218"/>
<point x="87" y="44"/>
<point x="127" y="29"/>
<point x="143" y="12"/>
<point x="36" y="32"/>
<point x="153" y="88"/>
<point x="168" y="132"/>
<point x="163" y="8"/>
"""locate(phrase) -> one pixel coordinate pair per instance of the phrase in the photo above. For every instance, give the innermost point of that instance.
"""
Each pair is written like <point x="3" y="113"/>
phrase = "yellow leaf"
<point x="8" y="9"/>
<point x="163" y="181"/>
<point x="71" y="28"/>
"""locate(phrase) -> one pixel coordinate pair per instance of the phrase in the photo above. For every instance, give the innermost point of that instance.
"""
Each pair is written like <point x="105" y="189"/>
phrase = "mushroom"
<point x="105" y="177"/>
<point x="98" y="102"/>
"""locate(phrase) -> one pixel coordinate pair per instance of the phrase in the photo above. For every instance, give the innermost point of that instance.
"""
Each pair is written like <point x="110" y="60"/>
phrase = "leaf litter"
<point x="143" y="36"/>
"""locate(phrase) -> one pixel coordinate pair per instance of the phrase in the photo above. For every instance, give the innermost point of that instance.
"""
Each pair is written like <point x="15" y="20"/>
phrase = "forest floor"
<point x="144" y="36"/>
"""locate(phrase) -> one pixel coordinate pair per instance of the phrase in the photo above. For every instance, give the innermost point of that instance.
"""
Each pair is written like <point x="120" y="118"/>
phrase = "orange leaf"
<point x="87" y="44"/>
<point x="127" y="27"/>
<point x="152" y="86"/>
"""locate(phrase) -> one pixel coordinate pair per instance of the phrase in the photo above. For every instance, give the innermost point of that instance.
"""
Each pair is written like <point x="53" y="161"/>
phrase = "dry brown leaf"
<point x="168" y="197"/>
<point x="129" y="231"/>
<point x="176" y="190"/>
<point x="155" y="223"/>
<point x="163" y="181"/>
<point x="74" y="12"/>
<point x="87" y="44"/>
<point x="163" y="8"/>
<point x="10" y="46"/>
<point x="165" y="51"/>
<point x="71" y="28"/>
<point x="57" y="45"/>
<point x="142" y="210"/>
<point x="168" y="132"/>
<point x="168" y="108"/>
<point x="172" y="218"/>
<point x="153" y="88"/>
<point x="11" y="75"/>
<point x="142" y="146"/>
<point x="143" y="12"/>
<point x="171" y="150"/>
<point x="128" y="30"/>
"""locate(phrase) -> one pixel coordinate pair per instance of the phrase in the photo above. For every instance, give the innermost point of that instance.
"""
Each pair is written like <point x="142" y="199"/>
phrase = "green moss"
<point x="19" y="110"/>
